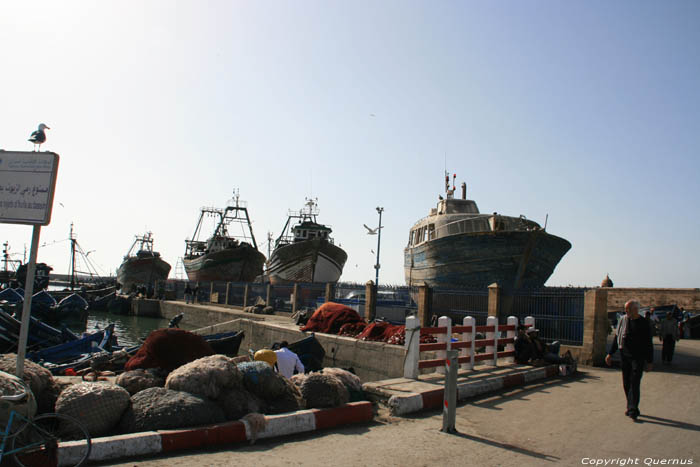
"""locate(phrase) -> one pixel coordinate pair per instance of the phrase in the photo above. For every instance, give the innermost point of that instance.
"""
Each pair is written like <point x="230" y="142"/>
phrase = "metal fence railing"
<point x="558" y="312"/>
<point x="460" y="303"/>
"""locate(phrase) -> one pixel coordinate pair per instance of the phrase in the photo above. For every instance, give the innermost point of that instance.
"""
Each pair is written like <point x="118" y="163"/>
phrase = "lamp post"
<point x="379" y="242"/>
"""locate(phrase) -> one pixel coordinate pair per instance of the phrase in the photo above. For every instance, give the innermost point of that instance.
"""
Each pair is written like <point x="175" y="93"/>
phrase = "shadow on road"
<point x="509" y="447"/>
<point x="491" y="401"/>
<point x="667" y="422"/>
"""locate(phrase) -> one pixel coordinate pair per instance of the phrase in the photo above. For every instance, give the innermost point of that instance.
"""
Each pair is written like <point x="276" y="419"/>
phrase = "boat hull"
<point x="512" y="259"/>
<point x="241" y="264"/>
<point x="142" y="271"/>
<point x="309" y="261"/>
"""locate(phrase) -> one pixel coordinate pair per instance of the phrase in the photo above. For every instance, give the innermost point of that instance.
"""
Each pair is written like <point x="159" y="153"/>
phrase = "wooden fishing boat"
<point x="142" y="265"/>
<point x="305" y="251"/>
<point x="224" y="256"/>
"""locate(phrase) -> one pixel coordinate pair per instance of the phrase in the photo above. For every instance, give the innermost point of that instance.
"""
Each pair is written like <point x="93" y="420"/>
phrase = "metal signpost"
<point x="449" y="406"/>
<point x="27" y="183"/>
<point x="380" y="210"/>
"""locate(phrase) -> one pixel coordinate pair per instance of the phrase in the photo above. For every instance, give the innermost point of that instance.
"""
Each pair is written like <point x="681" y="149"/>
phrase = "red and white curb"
<point x="415" y="402"/>
<point x="161" y="441"/>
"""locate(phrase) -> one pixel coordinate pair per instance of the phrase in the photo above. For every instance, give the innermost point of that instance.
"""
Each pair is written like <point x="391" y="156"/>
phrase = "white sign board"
<point x="27" y="182"/>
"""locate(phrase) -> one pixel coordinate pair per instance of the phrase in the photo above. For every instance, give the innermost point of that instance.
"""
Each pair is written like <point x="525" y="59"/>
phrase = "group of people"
<point x="530" y="348"/>
<point x="283" y="360"/>
<point x="191" y="293"/>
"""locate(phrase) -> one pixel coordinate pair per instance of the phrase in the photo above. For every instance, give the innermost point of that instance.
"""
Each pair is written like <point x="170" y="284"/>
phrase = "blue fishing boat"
<point x="98" y="341"/>
<point x="11" y="296"/>
<point x="40" y="334"/>
<point x="72" y="309"/>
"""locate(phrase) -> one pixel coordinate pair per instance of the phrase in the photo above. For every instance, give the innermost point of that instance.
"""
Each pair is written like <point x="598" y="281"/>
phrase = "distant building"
<point x="606" y="282"/>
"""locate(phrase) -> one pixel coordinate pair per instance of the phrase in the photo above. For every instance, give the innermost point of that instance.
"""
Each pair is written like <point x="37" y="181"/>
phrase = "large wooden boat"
<point x="142" y="266"/>
<point x="305" y="252"/>
<point x="224" y="256"/>
<point x="456" y="246"/>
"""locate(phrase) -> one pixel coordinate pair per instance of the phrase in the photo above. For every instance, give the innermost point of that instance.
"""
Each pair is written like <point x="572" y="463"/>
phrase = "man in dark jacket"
<point x="634" y="341"/>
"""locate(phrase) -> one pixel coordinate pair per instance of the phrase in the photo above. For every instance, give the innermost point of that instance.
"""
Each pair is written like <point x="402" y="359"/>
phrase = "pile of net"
<point x="330" y="317"/>
<point x="98" y="406"/>
<point x="351" y="381"/>
<point x="274" y="390"/>
<point x="11" y="385"/>
<point x="169" y="349"/>
<point x="321" y="390"/>
<point x="162" y="409"/>
<point x="38" y="378"/>
<point x="380" y="331"/>
<point x="352" y="329"/>
<point x="137" y="380"/>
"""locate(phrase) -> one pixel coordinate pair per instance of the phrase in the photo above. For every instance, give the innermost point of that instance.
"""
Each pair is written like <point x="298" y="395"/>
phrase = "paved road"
<point x="559" y="422"/>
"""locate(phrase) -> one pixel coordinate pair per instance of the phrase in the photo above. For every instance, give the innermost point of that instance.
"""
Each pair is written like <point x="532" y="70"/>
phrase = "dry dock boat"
<point x="305" y="252"/>
<point x="224" y="257"/>
<point x="142" y="265"/>
<point x="457" y="246"/>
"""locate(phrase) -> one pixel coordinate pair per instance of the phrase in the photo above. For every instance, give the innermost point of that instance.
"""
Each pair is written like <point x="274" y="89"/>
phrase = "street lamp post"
<point x="379" y="241"/>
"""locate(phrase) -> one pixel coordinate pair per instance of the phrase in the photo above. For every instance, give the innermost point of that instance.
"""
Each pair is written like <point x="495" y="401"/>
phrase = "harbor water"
<point x="130" y="330"/>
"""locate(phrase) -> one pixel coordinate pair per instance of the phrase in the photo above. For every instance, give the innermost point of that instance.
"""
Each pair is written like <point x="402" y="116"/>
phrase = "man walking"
<point x="669" y="336"/>
<point x="633" y="339"/>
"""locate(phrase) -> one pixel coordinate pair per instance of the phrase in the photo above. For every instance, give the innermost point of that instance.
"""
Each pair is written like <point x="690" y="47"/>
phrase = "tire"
<point x="47" y="431"/>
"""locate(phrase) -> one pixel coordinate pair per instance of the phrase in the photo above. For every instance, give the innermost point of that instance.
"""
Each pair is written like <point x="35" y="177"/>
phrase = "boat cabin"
<point x="310" y="231"/>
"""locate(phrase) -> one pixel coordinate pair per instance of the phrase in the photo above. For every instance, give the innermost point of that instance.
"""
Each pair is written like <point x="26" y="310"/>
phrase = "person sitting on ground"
<point x="523" y="346"/>
<point x="548" y="353"/>
<point x="288" y="361"/>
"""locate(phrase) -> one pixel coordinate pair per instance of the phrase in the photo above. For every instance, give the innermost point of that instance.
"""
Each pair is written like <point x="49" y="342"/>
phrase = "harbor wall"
<point x="371" y="361"/>
<point x="686" y="298"/>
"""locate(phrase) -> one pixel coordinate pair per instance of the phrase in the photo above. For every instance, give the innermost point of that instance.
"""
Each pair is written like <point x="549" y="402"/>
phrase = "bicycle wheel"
<point x="39" y="442"/>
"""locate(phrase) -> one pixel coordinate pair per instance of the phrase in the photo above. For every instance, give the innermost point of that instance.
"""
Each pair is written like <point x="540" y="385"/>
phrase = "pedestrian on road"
<point x="188" y="293"/>
<point x="669" y="336"/>
<point x="634" y="341"/>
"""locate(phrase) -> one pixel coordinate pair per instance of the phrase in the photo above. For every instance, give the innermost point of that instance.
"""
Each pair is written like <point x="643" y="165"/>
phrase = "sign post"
<point x="27" y="184"/>
<point x="449" y="406"/>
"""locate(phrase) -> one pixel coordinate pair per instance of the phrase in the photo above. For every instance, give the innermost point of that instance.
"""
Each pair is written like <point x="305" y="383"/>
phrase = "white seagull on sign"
<point x="39" y="137"/>
<point x="372" y="231"/>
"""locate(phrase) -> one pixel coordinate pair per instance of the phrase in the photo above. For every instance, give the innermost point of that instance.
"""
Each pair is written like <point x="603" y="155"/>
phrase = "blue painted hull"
<point x="511" y="259"/>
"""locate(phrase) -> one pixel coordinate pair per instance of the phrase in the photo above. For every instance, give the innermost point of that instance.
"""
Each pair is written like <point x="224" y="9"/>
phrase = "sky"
<point x="585" y="112"/>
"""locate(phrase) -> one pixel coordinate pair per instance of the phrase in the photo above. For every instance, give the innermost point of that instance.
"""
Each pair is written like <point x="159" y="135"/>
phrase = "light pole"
<point x="379" y="242"/>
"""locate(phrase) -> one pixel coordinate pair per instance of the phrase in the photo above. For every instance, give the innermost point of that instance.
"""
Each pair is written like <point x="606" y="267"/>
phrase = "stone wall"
<point x="371" y="361"/>
<point x="687" y="298"/>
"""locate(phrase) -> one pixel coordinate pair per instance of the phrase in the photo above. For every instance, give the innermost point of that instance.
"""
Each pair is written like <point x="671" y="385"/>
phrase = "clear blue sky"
<point x="586" y="111"/>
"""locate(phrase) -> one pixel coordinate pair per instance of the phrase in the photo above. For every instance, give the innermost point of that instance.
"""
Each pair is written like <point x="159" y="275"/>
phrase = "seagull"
<point x="39" y="137"/>
<point x="372" y="231"/>
<point x="372" y="115"/>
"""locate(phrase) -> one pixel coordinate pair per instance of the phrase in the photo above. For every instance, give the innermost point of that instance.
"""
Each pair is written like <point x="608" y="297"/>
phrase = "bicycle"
<point x="34" y="442"/>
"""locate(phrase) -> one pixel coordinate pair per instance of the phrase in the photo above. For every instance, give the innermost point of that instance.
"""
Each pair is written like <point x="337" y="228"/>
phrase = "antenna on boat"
<point x="546" y="218"/>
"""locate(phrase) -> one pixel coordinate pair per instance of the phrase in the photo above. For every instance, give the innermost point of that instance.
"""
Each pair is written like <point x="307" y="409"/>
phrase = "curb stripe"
<point x="354" y="412"/>
<point x="176" y="440"/>
<point x="287" y="424"/>
<point x="402" y="405"/>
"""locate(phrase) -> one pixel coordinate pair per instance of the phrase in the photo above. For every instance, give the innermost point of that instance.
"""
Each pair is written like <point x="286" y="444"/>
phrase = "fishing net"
<point x="352" y="329"/>
<point x="321" y="390"/>
<point x="36" y="376"/>
<point x="260" y="379"/>
<point x="330" y="317"/>
<point x="207" y="377"/>
<point x="137" y="380"/>
<point x="98" y="406"/>
<point x="238" y="402"/>
<point x="169" y="349"/>
<point x="289" y="400"/>
<point x="163" y="409"/>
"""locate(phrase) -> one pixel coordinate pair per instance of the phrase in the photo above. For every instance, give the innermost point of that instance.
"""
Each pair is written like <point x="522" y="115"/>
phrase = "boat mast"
<point x="72" y="258"/>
